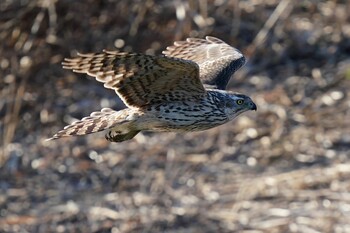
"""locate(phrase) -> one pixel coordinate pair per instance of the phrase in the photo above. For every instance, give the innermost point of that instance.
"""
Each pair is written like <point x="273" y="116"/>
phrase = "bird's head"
<point x="237" y="104"/>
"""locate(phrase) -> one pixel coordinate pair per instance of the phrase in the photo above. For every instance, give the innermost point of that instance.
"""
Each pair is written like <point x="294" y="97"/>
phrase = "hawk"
<point x="182" y="90"/>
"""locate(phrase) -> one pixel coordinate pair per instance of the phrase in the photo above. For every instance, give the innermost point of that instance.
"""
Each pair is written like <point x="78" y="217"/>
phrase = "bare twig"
<point x="282" y="11"/>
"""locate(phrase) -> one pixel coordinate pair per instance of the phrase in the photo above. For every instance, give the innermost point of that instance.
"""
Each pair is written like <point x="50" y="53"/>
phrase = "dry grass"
<point x="284" y="168"/>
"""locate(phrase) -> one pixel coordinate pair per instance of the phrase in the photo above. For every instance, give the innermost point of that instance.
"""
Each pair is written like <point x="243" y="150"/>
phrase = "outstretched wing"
<point x="217" y="60"/>
<point x="139" y="79"/>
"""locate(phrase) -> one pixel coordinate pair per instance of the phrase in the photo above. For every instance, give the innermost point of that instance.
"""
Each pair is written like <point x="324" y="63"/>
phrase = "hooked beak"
<point x="253" y="106"/>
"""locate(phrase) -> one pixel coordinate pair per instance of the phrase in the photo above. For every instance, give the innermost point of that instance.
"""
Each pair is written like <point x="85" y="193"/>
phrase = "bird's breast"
<point x="185" y="116"/>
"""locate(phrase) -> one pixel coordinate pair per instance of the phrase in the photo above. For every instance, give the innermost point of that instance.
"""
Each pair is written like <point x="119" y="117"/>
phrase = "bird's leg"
<point x="117" y="136"/>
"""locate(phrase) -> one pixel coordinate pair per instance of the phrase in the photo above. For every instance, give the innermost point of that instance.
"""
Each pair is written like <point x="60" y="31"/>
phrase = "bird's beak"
<point x="253" y="106"/>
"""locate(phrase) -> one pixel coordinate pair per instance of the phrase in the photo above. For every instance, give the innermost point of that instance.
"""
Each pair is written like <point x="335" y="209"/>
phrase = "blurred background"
<point x="284" y="168"/>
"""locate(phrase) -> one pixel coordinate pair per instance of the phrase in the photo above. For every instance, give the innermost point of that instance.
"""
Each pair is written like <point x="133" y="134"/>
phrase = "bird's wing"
<point x="217" y="60"/>
<point x="139" y="79"/>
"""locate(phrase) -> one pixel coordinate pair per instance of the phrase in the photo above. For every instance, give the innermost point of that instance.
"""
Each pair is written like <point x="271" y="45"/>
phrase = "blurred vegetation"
<point x="284" y="168"/>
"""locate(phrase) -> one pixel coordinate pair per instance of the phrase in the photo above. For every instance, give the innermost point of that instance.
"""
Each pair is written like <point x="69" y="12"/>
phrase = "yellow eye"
<point x="239" y="102"/>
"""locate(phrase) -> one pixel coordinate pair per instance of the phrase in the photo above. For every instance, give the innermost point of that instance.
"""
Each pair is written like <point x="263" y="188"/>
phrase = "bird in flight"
<point x="181" y="91"/>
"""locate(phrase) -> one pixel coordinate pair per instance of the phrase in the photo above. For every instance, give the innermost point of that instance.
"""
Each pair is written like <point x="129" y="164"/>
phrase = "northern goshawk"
<point x="181" y="91"/>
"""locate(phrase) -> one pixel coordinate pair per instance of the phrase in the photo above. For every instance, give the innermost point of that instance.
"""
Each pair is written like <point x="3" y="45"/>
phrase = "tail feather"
<point x="97" y="121"/>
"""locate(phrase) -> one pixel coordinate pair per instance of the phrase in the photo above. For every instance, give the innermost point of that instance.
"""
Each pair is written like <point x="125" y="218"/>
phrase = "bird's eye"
<point x="239" y="102"/>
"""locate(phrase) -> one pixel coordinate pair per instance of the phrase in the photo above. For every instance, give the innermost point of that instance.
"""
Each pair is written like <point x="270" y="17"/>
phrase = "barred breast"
<point x="191" y="115"/>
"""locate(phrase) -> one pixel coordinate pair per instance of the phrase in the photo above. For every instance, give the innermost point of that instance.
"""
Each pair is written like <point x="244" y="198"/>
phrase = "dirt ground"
<point x="284" y="168"/>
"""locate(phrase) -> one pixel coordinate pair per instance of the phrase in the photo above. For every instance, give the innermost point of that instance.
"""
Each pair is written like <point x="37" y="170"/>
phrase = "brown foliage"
<point x="281" y="169"/>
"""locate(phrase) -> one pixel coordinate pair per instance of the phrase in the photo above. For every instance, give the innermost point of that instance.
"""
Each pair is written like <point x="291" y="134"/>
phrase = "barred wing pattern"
<point x="141" y="80"/>
<point x="217" y="60"/>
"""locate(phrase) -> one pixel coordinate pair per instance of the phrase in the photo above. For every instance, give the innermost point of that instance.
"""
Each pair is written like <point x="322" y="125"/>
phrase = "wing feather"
<point x="139" y="79"/>
<point x="217" y="60"/>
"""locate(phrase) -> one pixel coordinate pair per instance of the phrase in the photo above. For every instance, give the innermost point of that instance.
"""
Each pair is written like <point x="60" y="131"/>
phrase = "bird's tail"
<point x="97" y="121"/>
